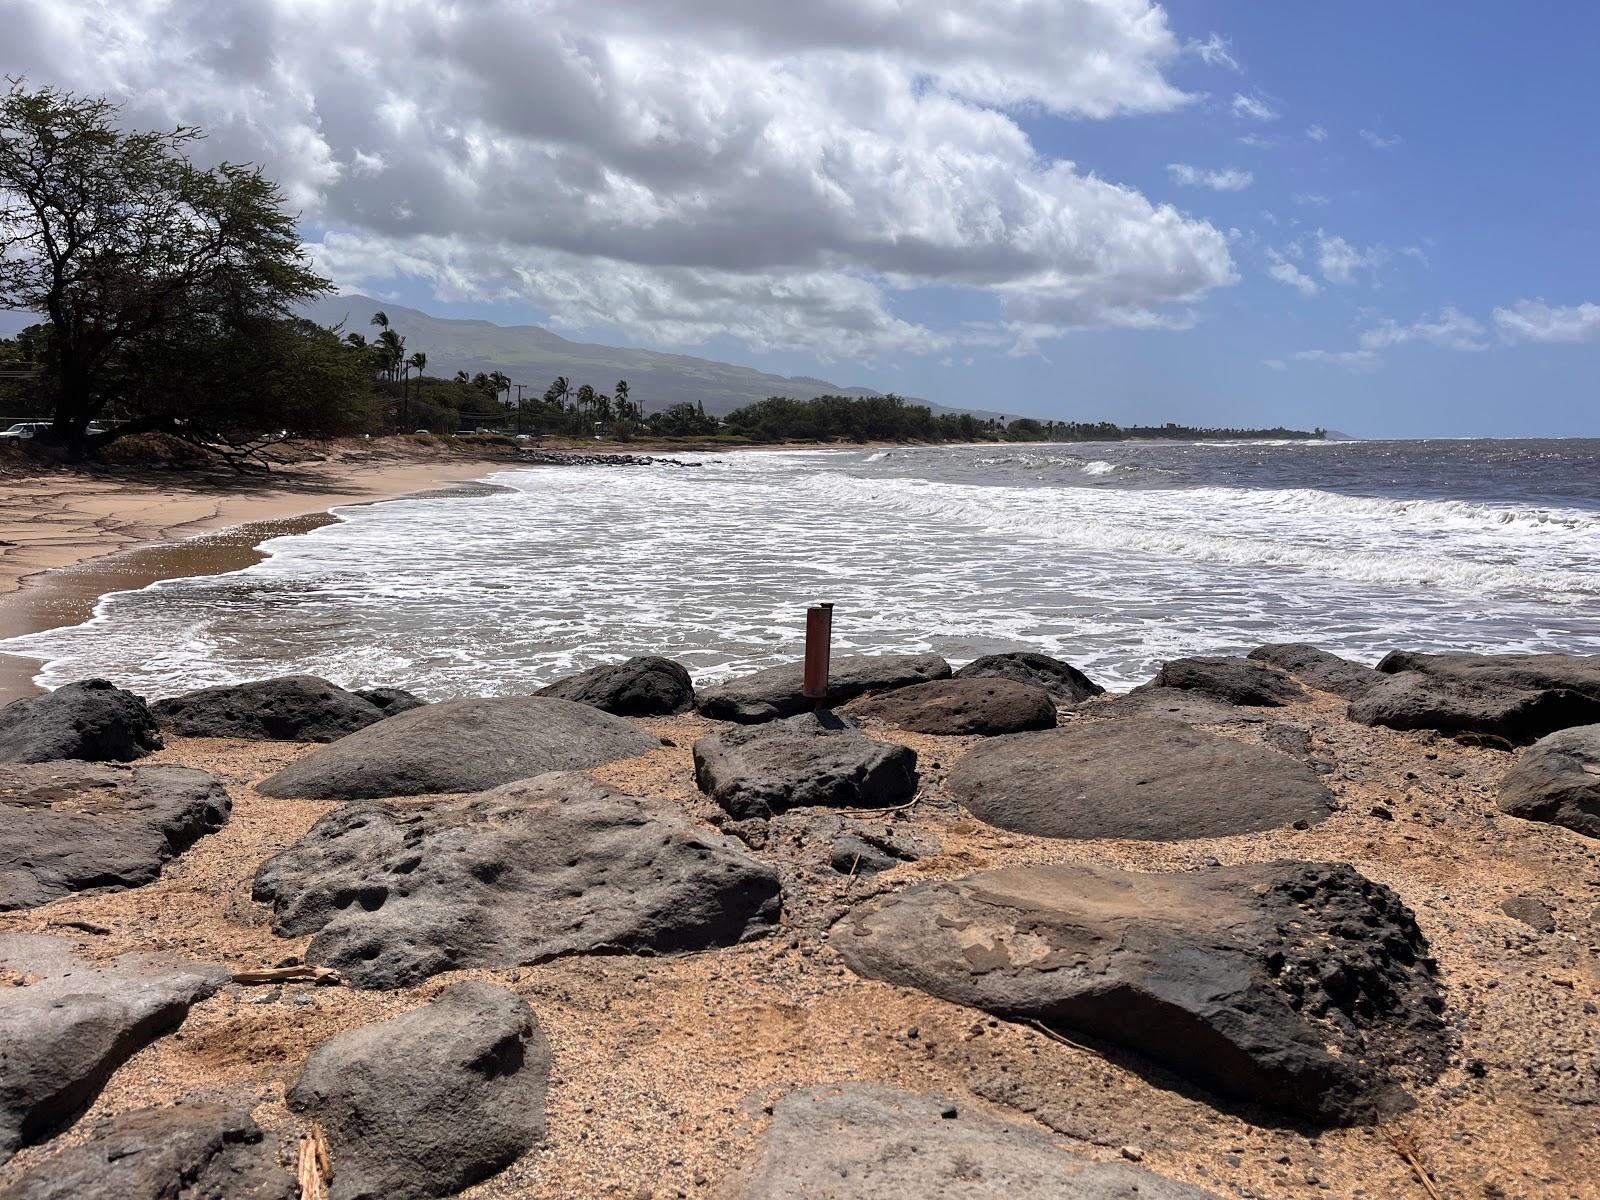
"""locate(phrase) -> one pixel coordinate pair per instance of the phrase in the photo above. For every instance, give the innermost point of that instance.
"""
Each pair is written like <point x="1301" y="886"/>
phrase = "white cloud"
<point x="1536" y="321"/>
<point x="1378" y="141"/>
<point x="1284" y="271"/>
<point x="1355" y="360"/>
<point x="678" y="169"/>
<point x="1253" y="108"/>
<point x="1316" y="133"/>
<point x="1274" y="364"/>
<point x="1452" y="329"/>
<point x="1214" y="51"/>
<point x="1229" y="179"/>
<point x="1339" y="261"/>
<point x="1311" y="199"/>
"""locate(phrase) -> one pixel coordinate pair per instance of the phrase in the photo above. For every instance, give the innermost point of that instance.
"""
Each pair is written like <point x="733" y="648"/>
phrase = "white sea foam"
<point x="497" y="594"/>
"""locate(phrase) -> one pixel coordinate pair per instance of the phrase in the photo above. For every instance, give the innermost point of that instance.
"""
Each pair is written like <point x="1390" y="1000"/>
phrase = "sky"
<point x="1378" y="218"/>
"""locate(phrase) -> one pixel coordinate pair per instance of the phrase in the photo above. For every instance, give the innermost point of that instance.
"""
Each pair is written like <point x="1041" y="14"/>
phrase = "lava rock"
<point x="197" y="1150"/>
<point x="854" y="855"/>
<point x="1135" y="777"/>
<point x="1531" y="911"/>
<point x="818" y="759"/>
<point x="66" y="1024"/>
<point x="391" y="701"/>
<point x="1231" y="680"/>
<point x="460" y="746"/>
<point x="955" y="707"/>
<point x="641" y="687"/>
<point x="774" y="693"/>
<point x="1172" y="704"/>
<point x="1561" y="672"/>
<point x="1557" y="779"/>
<point x="1475" y="704"/>
<point x="290" y="708"/>
<point x="1304" y="987"/>
<point x="430" y="1102"/>
<point x="71" y="826"/>
<point x="1324" y="671"/>
<point x="90" y="720"/>
<point x="534" y="870"/>
<point x="862" y="1141"/>
<point x="1062" y="680"/>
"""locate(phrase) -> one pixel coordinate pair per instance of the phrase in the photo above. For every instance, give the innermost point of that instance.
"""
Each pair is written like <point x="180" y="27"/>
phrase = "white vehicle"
<point x="23" y="430"/>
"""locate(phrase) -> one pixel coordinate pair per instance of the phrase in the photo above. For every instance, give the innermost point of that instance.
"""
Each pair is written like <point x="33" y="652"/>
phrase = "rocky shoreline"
<point x="1271" y="926"/>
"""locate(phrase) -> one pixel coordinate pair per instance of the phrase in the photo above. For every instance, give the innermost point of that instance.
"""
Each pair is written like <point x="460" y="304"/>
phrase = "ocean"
<point x="1114" y="556"/>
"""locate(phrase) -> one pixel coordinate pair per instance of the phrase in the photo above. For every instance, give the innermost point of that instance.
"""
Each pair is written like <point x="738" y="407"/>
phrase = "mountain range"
<point x="533" y="356"/>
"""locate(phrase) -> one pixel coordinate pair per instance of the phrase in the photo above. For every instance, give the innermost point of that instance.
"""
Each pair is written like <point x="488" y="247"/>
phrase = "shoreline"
<point x="67" y="540"/>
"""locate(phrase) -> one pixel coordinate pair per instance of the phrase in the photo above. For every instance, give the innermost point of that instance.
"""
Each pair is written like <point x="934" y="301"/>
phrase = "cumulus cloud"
<point x="1378" y="141"/>
<point x="1452" y="329"/>
<point x="1340" y="262"/>
<point x="1253" y="108"/>
<point x="1214" y="51"/>
<point x="678" y="169"/>
<point x="1280" y="268"/>
<point x="1227" y="179"/>
<point x="1316" y="133"/>
<point x="1536" y="321"/>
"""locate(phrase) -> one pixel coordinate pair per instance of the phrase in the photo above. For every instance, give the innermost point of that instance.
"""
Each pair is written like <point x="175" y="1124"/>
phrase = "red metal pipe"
<point x="819" y="635"/>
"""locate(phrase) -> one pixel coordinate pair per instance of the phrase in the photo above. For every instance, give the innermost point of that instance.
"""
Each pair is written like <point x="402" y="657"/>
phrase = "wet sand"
<point x="69" y="538"/>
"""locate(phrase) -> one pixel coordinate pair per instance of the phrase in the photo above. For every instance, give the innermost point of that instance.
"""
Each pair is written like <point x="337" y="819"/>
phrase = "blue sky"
<point x="1374" y="217"/>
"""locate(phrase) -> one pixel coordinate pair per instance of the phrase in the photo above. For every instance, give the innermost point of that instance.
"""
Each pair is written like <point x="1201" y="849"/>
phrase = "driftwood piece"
<point x="304" y="973"/>
<point x="313" y="1164"/>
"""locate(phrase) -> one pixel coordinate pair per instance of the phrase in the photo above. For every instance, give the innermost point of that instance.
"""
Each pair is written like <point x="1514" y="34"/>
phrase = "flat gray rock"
<point x="641" y="687"/>
<point x="1568" y="672"/>
<point x="1062" y="680"/>
<point x="66" y="1024"/>
<point x="460" y="746"/>
<point x="1135" y="777"/>
<point x="1303" y="987"/>
<point x="862" y="1141"/>
<point x="774" y="693"/>
<point x="540" y="869"/>
<point x="430" y="1102"/>
<point x="1230" y="680"/>
<point x="1557" y="780"/>
<point x="805" y="761"/>
<point x="1472" y="704"/>
<point x="194" y="1150"/>
<point x="90" y="720"/>
<point x="72" y="826"/>
<point x="289" y="708"/>
<point x="1174" y="704"/>
<point x="391" y="700"/>
<point x="956" y="707"/>
<point x="1324" y="671"/>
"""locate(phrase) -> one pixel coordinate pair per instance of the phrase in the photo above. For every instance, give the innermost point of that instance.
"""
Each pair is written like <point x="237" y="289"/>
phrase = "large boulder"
<point x="1061" y="679"/>
<point x="90" y="720"/>
<point x="1135" y="777"/>
<point x="531" y="871"/>
<point x="1557" y="779"/>
<point x="70" y="826"/>
<point x="460" y="746"/>
<point x="818" y="759"/>
<point x="66" y="1024"/>
<point x="955" y="707"/>
<point x="776" y="692"/>
<point x="430" y="1102"/>
<point x="1323" y="671"/>
<point x="194" y="1150"/>
<point x="1303" y="987"/>
<point x="862" y="1141"/>
<point x="1566" y="672"/>
<point x="391" y="700"/>
<point x="1472" y="704"/>
<point x="1231" y="680"/>
<point x="290" y="708"/>
<point x="641" y="687"/>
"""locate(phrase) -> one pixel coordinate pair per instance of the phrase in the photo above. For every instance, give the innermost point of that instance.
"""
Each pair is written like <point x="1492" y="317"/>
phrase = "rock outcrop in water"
<point x="1135" y="777"/>
<point x="1231" y="680"/>
<point x="648" y="686"/>
<point x="460" y="746"/>
<point x="1062" y="680"/>
<point x="289" y="708"/>
<point x="69" y="826"/>
<point x="962" y="707"/>
<point x="1303" y="987"/>
<point x="90" y="720"/>
<point x="776" y="692"/>
<point x="1323" y="671"/>
<point x="540" y="869"/>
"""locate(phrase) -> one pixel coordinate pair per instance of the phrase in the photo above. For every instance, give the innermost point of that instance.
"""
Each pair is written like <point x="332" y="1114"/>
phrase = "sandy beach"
<point x="69" y="537"/>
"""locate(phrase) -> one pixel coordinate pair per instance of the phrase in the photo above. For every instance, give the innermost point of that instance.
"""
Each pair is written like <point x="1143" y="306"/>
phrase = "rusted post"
<point x="819" y="633"/>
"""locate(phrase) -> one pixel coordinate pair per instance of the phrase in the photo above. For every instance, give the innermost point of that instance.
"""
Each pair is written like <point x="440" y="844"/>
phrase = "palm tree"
<point x="416" y="362"/>
<point x="502" y="383"/>
<point x="624" y="406"/>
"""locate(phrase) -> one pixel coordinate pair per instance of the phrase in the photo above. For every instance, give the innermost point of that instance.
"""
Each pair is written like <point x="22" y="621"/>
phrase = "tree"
<point x="416" y="362"/>
<point x="625" y="409"/>
<point x="121" y="243"/>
